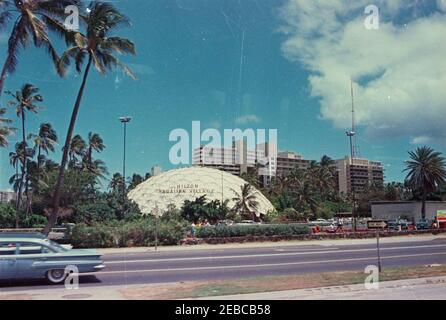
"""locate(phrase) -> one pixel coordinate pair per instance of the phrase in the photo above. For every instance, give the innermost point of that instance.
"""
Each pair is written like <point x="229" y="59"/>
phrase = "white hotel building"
<point x="239" y="159"/>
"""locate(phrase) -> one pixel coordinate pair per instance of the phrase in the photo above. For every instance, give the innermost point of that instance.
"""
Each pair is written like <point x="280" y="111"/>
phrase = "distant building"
<point x="389" y="210"/>
<point x="287" y="161"/>
<point x="156" y="171"/>
<point x="355" y="174"/>
<point x="7" y="196"/>
<point x="239" y="159"/>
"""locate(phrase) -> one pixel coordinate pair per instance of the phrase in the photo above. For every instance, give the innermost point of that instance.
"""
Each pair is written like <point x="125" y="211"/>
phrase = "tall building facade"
<point x="287" y="161"/>
<point x="239" y="159"/>
<point x="354" y="174"/>
<point x="7" y="196"/>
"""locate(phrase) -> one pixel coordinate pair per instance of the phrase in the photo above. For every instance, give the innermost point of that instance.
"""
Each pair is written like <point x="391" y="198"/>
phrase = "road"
<point x="187" y="265"/>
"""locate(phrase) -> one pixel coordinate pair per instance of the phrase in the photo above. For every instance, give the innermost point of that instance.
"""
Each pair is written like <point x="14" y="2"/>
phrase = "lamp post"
<point x="351" y="135"/>
<point x="124" y="121"/>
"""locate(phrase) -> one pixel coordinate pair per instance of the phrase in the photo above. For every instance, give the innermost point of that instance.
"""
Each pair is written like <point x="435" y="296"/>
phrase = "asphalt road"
<point x="174" y="266"/>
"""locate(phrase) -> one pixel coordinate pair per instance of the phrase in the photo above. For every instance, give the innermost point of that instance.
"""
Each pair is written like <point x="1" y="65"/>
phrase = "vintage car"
<point x="28" y="256"/>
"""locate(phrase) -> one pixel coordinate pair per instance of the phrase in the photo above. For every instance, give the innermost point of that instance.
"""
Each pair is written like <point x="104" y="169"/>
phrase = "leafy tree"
<point x="200" y="209"/>
<point x="98" y="46"/>
<point x="136" y="180"/>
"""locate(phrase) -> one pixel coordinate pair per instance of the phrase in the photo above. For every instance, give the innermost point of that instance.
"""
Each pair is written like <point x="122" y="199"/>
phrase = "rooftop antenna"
<point x="352" y="133"/>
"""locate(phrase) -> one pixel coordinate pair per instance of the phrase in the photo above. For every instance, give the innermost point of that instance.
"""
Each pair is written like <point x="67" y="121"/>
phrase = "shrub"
<point x="125" y="234"/>
<point x="7" y="216"/>
<point x="252" y="230"/>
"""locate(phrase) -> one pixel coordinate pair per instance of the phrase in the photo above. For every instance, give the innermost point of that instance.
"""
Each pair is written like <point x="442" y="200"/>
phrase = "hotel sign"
<point x="441" y="215"/>
<point x="189" y="188"/>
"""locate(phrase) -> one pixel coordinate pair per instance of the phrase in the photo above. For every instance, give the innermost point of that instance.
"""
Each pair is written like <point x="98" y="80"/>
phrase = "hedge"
<point x="252" y="230"/>
<point x="126" y="234"/>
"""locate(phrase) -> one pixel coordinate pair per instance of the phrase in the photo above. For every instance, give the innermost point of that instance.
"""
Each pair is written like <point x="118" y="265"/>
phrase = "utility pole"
<point x="124" y="121"/>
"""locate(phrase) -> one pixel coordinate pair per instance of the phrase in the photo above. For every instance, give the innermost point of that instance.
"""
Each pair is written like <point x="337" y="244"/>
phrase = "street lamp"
<point x="351" y="134"/>
<point x="124" y="121"/>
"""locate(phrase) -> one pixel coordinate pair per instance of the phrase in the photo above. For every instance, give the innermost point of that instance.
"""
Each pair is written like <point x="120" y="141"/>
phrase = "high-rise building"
<point x="239" y="158"/>
<point x="287" y="161"/>
<point x="354" y="174"/>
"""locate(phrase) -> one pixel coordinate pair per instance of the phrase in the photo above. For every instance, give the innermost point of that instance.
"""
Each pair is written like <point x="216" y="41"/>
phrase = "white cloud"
<point x="249" y="118"/>
<point x="421" y="140"/>
<point x="399" y="70"/>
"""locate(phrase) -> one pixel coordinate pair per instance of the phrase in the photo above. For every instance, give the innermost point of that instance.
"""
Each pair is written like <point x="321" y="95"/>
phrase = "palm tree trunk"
<point x="3" y="76"/>
<point x="23" y="169"/>
<point x="56" y="196"/>
<point x="423" y="205"/>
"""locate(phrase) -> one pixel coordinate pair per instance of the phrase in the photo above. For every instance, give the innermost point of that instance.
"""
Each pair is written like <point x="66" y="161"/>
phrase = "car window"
<point x="8" y="248"/>
<point x="26" y="248"/>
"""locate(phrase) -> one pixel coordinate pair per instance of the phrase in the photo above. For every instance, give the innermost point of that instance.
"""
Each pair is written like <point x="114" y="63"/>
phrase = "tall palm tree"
<point x="5" y="128"/>
<point x="95" y="143"/>
<point x="44" y="141"/>
<point x="98" y="46"/>
<point x="76" y="149"/>
<point x="426" y="171"/>
<point x="32" y="19"/>
<point x="24" y="100"/>
<point x="245" y="201"/>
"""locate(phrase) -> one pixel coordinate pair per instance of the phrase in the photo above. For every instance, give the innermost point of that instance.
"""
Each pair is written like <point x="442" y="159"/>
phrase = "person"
<point x="435" y="224"/>
<point x="193" y="229"/>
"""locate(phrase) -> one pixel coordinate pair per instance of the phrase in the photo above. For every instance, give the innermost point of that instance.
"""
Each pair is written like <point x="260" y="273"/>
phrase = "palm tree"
<point x="426" y="171"/>
<point x="326" y="161"/>
<point x="44" y="140"/>
<point x="77" y="149"/>
<point x="245" y="201"/>
<point x="95" y="143"/>
<point x="32" y="19"/>
<point x="24" y="100"/>
<point x="5" y="129"/>
<point x="98" y="46"/>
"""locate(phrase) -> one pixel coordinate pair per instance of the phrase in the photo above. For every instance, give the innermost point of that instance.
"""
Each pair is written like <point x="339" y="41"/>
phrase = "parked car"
<point x="423" y="224"/>
<point x="30" y="256"/>
<point x="247" y="222"/>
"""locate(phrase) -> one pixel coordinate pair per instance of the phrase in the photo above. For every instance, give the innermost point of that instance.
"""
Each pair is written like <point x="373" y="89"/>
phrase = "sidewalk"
<point x="327" y="243"/>
<point x="414" y="289"/>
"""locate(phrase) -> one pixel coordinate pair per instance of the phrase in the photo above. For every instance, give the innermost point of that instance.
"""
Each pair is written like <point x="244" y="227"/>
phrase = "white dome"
<point x="176" y="186"/>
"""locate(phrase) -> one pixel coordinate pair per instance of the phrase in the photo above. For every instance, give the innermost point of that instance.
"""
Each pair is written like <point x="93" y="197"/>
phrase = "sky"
<point x="269" y="64"/>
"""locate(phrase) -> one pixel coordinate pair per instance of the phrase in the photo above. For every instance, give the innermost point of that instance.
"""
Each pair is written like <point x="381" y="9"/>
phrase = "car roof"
<point x="22" y="237"/>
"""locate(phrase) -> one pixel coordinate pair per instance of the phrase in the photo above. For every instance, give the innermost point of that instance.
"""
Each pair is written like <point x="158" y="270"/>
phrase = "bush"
<point x="127" y="234"/>
<point x="252" y="230"/>
<point x="7" y="216"/>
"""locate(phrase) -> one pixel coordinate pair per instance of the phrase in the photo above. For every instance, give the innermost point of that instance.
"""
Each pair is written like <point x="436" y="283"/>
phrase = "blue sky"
<point x="274" y="64"/>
